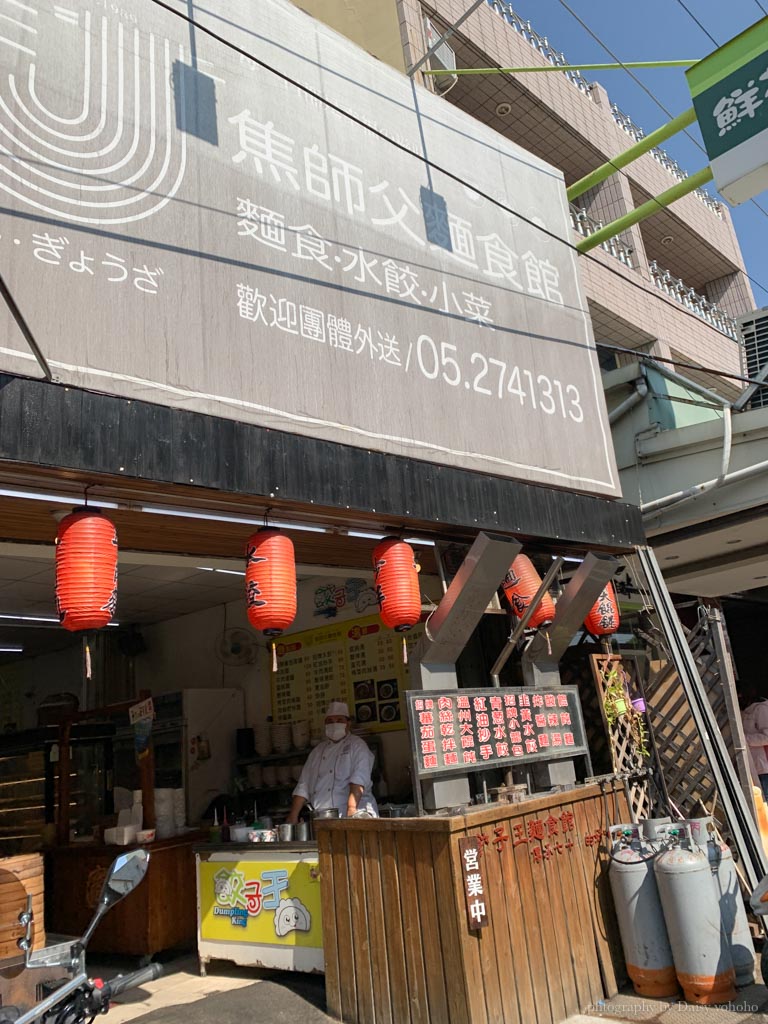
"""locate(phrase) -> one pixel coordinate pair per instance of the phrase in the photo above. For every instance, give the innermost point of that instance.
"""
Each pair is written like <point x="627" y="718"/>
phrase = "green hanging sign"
<point x="730" y="96"/>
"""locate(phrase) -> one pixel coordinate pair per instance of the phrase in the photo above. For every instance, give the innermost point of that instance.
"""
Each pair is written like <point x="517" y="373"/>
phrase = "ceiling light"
<point x="231" y="572"/>
<point x="734" y="541"/>
<point x="503" y="109"/>
<point x="184" y="513"/>
<point x="38" y="618"/>
<point x="365" y="535"/>
<point x="15" y="649"/>
<point x="667" y="239"/>
<point x="30" y="618"/>
<point x="65" y="499"/>
<point x="421" y="541"/>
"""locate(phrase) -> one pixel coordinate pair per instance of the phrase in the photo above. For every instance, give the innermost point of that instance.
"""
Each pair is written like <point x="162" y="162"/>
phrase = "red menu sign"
<point x="466" y="730"/>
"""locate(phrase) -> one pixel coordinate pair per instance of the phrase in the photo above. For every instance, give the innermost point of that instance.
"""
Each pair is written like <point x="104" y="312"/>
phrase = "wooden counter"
<point x="398" y="946"/>
<point x="159" y="914"/>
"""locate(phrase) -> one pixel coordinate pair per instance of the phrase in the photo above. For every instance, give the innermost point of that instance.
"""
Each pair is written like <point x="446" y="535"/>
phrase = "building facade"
<point x="670" y="286"/>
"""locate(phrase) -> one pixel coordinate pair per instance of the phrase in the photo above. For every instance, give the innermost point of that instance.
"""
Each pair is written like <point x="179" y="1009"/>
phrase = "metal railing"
<point x="662" y="157"/>
<point x="586" y="226"/>
<point x="539" y="43"/>
<point x="555" y="57"/>
<point x="676" y="289"/>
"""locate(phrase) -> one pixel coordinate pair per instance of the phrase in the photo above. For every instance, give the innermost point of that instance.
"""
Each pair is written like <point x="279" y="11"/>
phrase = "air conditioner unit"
<point x="443" y="59"/>
<point x="754" y="335"/>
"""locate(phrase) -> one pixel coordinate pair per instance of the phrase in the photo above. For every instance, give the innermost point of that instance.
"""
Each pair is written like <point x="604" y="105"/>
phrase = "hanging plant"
<point x="617" y="705"/>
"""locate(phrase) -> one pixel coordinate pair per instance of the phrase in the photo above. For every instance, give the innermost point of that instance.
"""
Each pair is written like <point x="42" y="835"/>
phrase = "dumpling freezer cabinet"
<point x="258" y="905"/>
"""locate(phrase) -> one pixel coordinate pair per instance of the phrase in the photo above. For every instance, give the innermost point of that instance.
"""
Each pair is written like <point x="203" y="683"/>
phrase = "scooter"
<point x="82" y="998"/>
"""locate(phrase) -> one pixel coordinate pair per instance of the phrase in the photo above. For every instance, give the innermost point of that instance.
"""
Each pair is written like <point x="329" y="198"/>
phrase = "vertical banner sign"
<point x="274" y="227"/>
<point x="474" y="883"/>
<point x="730" y="97"/>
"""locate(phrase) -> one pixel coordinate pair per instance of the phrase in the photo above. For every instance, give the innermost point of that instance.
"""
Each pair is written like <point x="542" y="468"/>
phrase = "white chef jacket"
<point x="755" y="721"/>
<point x="329" y="771"/>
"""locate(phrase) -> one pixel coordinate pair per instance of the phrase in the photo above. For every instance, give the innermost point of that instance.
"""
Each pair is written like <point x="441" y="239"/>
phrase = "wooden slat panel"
<point x="499" y="929"/>
<point x="529" y="915"/>
<point x="588" y="981"/>
<point x="414" y="954"/>
<point x="566" y="896"/>
<point x="537" y="907"/>
<point x="377" y="928"/>
<point x="521" y="956"/>
<point x="451" y="921"/>
<point x="603" y="900"/>
<point x="347" y="951"/>
<point x="430" y="928"/>
<point x="559" y="913"/>
<point x="470" y="945"/>
<point x="392" y="915"/>
<point x="330" y="938"/>
<point x="360" y="937"/>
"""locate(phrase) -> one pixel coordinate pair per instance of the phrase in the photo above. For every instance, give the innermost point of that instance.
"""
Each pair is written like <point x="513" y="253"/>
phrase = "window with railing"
<point x="676" y="289"/>
<point x="557" y="58"/>
<point x="586" y="226"/>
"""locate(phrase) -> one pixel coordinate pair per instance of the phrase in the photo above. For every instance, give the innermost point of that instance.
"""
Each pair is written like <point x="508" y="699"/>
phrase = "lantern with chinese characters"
<point x="270" y="581"/>
<point x="396" y="579"/>
<point x="604" y="617"/>
<point x="520" y="586"/>
<point x="86" y="570"/>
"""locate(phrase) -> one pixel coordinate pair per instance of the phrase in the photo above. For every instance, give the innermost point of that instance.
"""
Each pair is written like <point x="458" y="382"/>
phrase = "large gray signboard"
<point x="184" y="225"/>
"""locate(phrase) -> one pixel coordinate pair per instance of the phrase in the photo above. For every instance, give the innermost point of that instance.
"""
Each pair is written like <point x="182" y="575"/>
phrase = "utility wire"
<point x="447" y="173"/>
<point x="647" y="357"/>
<point x="691" y="15"/>
<point x="761" y="7"/>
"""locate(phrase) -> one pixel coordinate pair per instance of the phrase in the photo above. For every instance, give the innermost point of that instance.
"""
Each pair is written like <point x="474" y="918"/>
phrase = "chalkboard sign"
<point x="458" y="731"/>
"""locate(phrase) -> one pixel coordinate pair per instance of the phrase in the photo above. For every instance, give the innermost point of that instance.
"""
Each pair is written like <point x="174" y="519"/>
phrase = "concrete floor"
<point x="235" y="995"/>
<point x="228" y="995"/>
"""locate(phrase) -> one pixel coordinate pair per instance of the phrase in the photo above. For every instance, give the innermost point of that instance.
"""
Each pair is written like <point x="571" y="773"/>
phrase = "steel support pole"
<point x="732" y="798"/>
<point x="643" y="146"/>
<point x="545" y="68"/>
<point x="682" y="188"/>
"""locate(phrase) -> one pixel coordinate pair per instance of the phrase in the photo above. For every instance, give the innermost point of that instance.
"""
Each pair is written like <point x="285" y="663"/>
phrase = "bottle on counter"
<point x="214" y="835"/>
<point x="225" y="835"/>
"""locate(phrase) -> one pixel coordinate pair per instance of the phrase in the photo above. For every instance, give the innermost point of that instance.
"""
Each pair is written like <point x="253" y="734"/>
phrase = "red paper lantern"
<point x="270" y="581"/>
<point x="604" y="617"/>
<point x="86" y="570"/>
<point x="396" y="578"/>
<point x="520" y="586"/>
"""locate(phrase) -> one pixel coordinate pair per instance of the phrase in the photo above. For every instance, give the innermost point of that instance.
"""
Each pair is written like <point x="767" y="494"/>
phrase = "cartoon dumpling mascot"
<point x="291" y="916"/>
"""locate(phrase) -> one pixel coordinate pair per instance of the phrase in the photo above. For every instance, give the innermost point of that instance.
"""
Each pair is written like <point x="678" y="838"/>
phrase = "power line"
<point x="706" y="31"/>
<point x="430" y="164"/>
<point x="761" y="7"/>
<point x="655" y="99"/>
<point x="646" y="357"/>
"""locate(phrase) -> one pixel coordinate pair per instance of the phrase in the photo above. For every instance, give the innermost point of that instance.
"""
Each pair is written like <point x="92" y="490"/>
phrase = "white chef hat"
<point x="337" y="707"/>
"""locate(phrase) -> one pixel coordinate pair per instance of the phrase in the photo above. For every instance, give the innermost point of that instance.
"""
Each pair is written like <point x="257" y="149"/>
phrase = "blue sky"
<point x="659" y="30"/>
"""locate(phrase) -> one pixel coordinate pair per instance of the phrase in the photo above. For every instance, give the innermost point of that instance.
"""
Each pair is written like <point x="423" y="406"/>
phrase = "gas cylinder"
<point x="653" y="830"/>
<point x="641" y="921"/>
<point x="733" y="916"/>
<point x="700" y="947"/>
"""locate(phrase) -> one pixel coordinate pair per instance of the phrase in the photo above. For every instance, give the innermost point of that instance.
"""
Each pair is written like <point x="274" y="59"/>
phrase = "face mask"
<point x="335" y="731"/>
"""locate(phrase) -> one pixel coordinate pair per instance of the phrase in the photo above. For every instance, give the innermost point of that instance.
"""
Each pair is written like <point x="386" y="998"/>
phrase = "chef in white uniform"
<point x="338" y="771"/>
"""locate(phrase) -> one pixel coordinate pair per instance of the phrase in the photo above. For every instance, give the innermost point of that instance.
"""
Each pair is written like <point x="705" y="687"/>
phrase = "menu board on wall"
<point x="466" y="730"/>
<point x="359" y="661"/>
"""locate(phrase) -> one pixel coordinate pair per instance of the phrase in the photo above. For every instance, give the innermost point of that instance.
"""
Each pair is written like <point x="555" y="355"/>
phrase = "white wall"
<point x="182" y="654"/>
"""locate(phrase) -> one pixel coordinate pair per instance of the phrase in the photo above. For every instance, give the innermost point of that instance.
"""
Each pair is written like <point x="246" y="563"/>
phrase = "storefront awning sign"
<point x="275" y="228"/>
<point x="730" y="96"/>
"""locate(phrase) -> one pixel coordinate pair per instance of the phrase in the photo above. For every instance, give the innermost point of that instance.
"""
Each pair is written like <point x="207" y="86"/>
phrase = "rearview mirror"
<point x="124" y="875"/>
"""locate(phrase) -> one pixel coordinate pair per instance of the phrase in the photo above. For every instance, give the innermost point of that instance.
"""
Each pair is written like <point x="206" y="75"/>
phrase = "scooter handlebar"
<point x="133" y="980"/>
